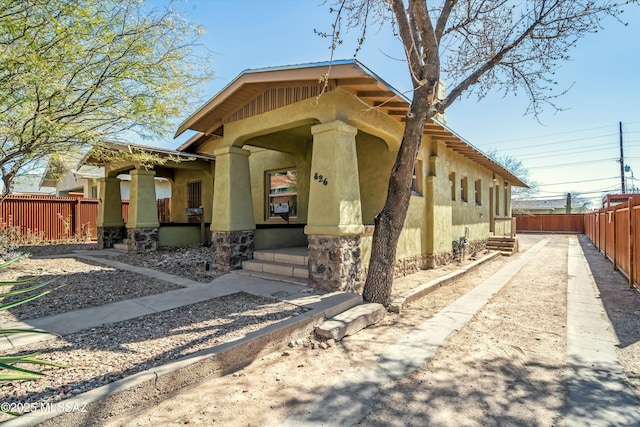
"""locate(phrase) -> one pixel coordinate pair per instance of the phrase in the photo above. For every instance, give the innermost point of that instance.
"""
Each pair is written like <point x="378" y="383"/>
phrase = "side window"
<point x="506" y="198"/>
<point x="478" y="192"/>
<point x="282" y="194"/>
<point x="464" y="189"/>
<point x="416" y="179"/>
<point x="497" y="194"/>
<point x="452" y="183"/>
<point x="194" y="196"/>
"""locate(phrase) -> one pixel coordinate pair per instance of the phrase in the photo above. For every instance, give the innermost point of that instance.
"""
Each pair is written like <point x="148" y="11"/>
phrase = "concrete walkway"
<point x="598" y="393"/>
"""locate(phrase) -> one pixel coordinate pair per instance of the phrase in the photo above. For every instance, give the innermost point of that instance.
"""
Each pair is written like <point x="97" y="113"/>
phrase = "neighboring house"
<point x="29" y="185"/>
<point x="71" y="180"/>
<point x="550" y="206"/>
<point x="615" y="199"/>
<point x="297" y="164"/>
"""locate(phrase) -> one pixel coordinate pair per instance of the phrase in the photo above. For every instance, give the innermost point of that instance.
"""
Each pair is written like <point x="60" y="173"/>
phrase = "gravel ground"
<point x="188" y="262"/>
<point x="105" y="354"/>
<point x="79" y="284"/>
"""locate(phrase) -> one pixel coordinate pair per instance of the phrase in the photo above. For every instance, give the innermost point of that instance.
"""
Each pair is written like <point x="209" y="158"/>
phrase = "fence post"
<point x="631" y="246"/>
<point x="615" y="241"/>
<point x="76" y="220"/>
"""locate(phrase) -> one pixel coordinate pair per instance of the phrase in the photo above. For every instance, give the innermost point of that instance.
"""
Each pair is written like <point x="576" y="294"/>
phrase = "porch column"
<point x="109" y="222"/>
<point x="334" y="221"/>
<point x="142" y="224"/>
<point x="232" y="223"/>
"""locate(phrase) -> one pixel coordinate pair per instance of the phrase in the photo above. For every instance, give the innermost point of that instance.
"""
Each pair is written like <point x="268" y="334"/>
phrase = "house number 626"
<point x="320" y="178"/>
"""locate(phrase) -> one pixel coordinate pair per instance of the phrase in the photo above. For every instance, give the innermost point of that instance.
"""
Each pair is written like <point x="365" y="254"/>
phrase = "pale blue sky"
<point x="572" y="150"/>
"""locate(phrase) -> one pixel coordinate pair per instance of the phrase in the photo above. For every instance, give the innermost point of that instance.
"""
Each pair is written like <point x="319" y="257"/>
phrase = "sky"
<point x="575" y="150"/>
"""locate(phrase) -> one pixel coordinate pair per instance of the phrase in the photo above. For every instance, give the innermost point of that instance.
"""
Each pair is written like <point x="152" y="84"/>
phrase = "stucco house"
<point x="71" y="178"/>
<point x="300" y="164"/>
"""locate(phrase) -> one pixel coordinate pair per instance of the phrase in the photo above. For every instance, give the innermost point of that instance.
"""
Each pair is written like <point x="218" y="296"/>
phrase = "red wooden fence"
<point x="612" y="231"/>
<point x="60" y="218"/>
<point x="551" y="223"/>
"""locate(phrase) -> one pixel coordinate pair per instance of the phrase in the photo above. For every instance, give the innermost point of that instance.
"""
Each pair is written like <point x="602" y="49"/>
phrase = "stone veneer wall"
<point x="230" y="248"/>
<point x="444" y="258"/>
<point x="107" y="236"/>
<point x="142" y="239"/>
<point x="335" y="263"/>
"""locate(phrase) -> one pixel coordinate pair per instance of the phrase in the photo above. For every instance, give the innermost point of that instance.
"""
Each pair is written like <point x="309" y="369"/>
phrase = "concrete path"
<point x="349" y="401"/>
<point x="598" y="393"/>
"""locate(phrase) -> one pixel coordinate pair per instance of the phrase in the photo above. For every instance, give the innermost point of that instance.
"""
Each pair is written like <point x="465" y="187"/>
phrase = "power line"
<point x="573" y="163"/>
<point x="577" y="182"/>
<point x="558" y="133"/>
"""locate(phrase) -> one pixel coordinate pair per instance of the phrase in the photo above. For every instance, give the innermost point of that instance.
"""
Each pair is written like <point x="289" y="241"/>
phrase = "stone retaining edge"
<point x="426" y="288"/>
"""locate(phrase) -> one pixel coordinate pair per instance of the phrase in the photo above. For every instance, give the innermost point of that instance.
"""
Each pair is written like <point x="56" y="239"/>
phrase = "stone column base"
<point x="107" y="236"/>
<point x="335" y="263"/>
<point x="142" y="239"/>
<point x="230" y="248"/>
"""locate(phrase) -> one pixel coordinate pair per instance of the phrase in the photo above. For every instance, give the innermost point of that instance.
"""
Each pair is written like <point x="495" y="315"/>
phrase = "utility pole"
<point x="622" y="162"/>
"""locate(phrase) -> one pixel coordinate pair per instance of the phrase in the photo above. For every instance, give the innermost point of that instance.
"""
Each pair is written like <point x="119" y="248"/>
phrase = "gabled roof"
<point x="350" y="75"/>
<point x="548" y="204"/>
<point x="90" y="159"/>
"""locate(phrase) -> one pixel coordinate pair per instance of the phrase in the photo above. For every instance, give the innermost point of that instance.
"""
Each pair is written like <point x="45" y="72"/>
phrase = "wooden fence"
<point x="551" y="223"/>
<point x="59" y="218"/>
<point x="612" y="231"/>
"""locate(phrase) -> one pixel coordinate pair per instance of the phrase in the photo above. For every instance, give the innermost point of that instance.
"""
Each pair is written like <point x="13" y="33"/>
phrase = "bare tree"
<point x="475" y="46"/>
<point x="518" y="169"/>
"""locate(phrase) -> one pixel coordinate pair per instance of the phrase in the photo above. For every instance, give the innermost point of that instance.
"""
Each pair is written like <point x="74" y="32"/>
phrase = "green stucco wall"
<point x="263" y="160"/>
<point x="179" y="191"/>
<point x="182" y="235"/>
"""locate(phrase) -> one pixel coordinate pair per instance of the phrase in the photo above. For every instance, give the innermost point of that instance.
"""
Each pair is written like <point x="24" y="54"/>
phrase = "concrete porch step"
<point x="276" y="277"/>
<point x="279" y="268"/>
<point x="122" y="247"/>
<point x="505" y="245"/>
<point x="351" y="321"/>
<point x="297" y="255"/>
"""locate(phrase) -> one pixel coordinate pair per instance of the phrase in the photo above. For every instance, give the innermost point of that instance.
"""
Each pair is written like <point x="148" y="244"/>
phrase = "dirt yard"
<point x="505" y="367"/>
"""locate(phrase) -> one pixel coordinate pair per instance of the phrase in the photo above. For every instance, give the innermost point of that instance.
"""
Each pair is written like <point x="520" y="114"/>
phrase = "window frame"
<point x="268" y="216"/>
<point x="417" y="179"/>
<point x="464" y="189"/>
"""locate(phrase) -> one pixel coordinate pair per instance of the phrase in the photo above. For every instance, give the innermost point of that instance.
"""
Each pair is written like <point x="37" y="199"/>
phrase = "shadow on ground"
<point x="621" y="303"/>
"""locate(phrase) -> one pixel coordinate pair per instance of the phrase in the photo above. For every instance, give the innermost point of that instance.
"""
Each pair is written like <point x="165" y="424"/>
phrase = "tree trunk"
<point x="389" y="222"/>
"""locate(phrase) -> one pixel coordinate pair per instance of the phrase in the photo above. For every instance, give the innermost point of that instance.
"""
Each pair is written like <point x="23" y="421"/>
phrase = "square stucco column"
<point x="334" y="221"/>
<point x="109" y="222"/>
<point x="142" y="225"/>
<point x="232" y="224"/>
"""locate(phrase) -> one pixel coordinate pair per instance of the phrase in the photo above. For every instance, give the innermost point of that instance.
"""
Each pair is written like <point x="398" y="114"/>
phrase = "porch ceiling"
<point x="348" y="75"/>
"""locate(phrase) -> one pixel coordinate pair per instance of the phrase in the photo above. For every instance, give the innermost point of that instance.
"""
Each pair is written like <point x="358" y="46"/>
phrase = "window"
<point x="464" y="189"/>
<point x="94" y="192"/>
<point x="416" y="179"/>
<point x="478" y="191"/>
<point x="497" y="193"/>
<point x="194" y="197"/>
<point x="452" y="184"/>
<point x="506" y="198"/>
<point x="282" y="194"/>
